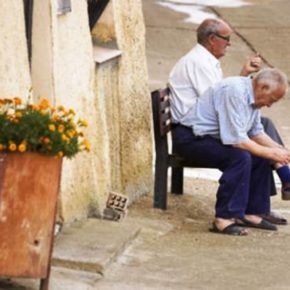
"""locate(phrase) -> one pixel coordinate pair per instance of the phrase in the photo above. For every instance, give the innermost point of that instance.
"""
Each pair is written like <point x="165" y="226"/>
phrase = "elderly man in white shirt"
<point x="198" y="70"/>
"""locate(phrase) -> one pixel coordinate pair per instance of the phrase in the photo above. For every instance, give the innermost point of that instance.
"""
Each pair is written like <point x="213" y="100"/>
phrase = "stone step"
<point x="92" y="244"/>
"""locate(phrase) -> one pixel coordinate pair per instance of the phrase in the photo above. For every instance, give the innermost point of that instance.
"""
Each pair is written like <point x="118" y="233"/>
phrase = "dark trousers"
<point x="245" y="184"/>
<point x="272" y="131"/>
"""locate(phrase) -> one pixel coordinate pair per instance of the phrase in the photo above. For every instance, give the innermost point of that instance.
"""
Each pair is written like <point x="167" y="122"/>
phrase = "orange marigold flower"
<point x="18" y="114"/>
<point x="12" y="147"/>
<point x="87" y="145"/>
<point x="55" y="118"/>
<point x="71" y="133"/>
<point x="60" y="128"/>
<point x="64" y="138"/>
<point x="17" y="101"/>
<point x="83" y="123"/>
<point x="72" y="123"/>
<point x="51" y="127"/>
<point x="22" y="147"/>
<point x="44" y="104"/>
<point x="72" y="111"/>
<point x="2" y="147"/>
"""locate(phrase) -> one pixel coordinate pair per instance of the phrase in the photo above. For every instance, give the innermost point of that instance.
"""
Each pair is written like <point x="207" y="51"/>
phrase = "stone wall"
<point x="135" y="103"/>
<point x="122" y="27"/>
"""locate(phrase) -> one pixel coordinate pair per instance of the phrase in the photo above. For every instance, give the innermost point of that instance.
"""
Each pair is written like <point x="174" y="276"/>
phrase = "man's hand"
<point x="280" y="155"/>
<point x="253" y="64"/>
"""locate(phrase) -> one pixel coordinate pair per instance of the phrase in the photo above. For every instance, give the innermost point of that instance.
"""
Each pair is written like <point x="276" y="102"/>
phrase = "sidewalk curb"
<point x="92" y="245"/>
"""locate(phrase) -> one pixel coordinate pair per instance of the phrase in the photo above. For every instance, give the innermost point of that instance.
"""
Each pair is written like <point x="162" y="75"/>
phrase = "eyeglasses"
<point x="226" y="38"/>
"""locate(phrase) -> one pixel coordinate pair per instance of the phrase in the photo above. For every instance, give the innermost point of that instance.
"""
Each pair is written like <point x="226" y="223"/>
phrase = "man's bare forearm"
<point x="277" y="154"/>
<point x="265" y="140"/>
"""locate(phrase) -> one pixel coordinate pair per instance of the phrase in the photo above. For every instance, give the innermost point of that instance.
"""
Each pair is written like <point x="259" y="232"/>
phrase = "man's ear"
<point x="210" y="38"/>
<point x="265" y="87"/>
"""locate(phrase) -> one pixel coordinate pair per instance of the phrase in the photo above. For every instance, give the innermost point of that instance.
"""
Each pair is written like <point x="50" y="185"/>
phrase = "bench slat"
<point x="164" y="104"/>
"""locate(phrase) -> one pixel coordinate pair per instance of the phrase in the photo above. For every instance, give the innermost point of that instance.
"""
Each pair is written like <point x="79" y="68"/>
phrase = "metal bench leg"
<point x="177" y="180"/>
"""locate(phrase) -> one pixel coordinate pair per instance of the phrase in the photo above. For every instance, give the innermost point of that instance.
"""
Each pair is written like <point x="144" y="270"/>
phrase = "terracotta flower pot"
<point x="29" y="186"/>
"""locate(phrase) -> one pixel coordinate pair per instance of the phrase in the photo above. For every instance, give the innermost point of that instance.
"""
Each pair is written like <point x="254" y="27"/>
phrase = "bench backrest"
<point x="161" y="118"/>
<point x="161" y="110"/>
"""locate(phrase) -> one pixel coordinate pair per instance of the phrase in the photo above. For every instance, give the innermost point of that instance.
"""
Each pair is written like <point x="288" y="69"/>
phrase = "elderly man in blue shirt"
<point x="224" y="131"/>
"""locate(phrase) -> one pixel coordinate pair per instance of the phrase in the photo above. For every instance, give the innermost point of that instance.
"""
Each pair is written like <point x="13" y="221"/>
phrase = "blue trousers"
<point x="245" y="184"/>
<point x="272" y="131"/>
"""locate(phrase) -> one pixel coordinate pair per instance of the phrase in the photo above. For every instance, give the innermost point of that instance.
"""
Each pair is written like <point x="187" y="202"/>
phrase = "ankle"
<point x="222" y="223"/>
<point x="253" y="218"/>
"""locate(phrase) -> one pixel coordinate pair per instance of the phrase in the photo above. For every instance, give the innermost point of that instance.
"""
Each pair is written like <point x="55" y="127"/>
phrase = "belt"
<point x="175" y="125"/>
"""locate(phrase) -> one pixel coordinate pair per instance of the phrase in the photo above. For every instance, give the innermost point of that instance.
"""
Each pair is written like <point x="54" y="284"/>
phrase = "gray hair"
<point x="208" y="27"/>
<point x="272" y="77"/>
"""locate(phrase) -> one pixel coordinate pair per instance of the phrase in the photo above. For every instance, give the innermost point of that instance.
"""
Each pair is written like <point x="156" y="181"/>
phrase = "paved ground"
<point x="153" y="249"/>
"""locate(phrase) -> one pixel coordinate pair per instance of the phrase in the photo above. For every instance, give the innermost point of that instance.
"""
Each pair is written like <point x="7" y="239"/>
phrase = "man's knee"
<point x="242" y="156"/>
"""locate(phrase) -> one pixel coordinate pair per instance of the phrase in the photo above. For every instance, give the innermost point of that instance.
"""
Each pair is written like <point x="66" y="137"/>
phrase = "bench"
<point x="163" y="158"/>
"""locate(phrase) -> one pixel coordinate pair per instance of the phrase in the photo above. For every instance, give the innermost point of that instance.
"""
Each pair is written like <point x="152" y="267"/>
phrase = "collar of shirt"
<point x="250" y="92"/>
<point x="211" y="58"/>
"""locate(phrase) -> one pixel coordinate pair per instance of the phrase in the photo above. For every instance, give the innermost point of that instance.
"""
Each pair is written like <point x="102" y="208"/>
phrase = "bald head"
<point x="208" y="27"/>
<point x="270" y="85"/>
<point x="273" y="78"/>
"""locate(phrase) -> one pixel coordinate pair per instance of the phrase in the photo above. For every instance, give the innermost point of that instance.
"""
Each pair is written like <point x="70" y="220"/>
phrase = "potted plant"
<point x="33" y="140"/>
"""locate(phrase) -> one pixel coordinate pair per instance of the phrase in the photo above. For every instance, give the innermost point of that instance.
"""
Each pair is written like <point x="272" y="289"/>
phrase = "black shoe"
<point x="264" y="225"/>
<point x="232" y="229"/>
<point x="274" y="218"/>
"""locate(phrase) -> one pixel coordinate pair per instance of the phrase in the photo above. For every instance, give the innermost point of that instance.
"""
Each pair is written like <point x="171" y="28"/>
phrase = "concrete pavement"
<point x="81" y="254"/>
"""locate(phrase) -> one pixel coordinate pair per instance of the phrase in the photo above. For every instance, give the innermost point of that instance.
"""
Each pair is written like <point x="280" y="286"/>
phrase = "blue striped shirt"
<point x="226" y="111"/>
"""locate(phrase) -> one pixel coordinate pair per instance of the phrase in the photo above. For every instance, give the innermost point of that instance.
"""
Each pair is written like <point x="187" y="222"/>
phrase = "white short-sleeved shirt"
<point x="190" y="77"/>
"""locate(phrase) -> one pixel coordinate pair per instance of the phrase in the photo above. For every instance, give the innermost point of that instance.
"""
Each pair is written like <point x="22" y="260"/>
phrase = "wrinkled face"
<point x="220" y="40"/>
<point x="265" y="97"/>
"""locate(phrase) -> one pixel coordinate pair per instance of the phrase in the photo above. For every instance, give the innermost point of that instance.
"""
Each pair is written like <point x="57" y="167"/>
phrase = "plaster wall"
<point x="108" y="124"/>
<point x="14" y="67"/>
<point x="121" y="26"/>
<point x="42" y="52"/>
<point x="73" y="72"/>
<point x="134" y="99"/>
